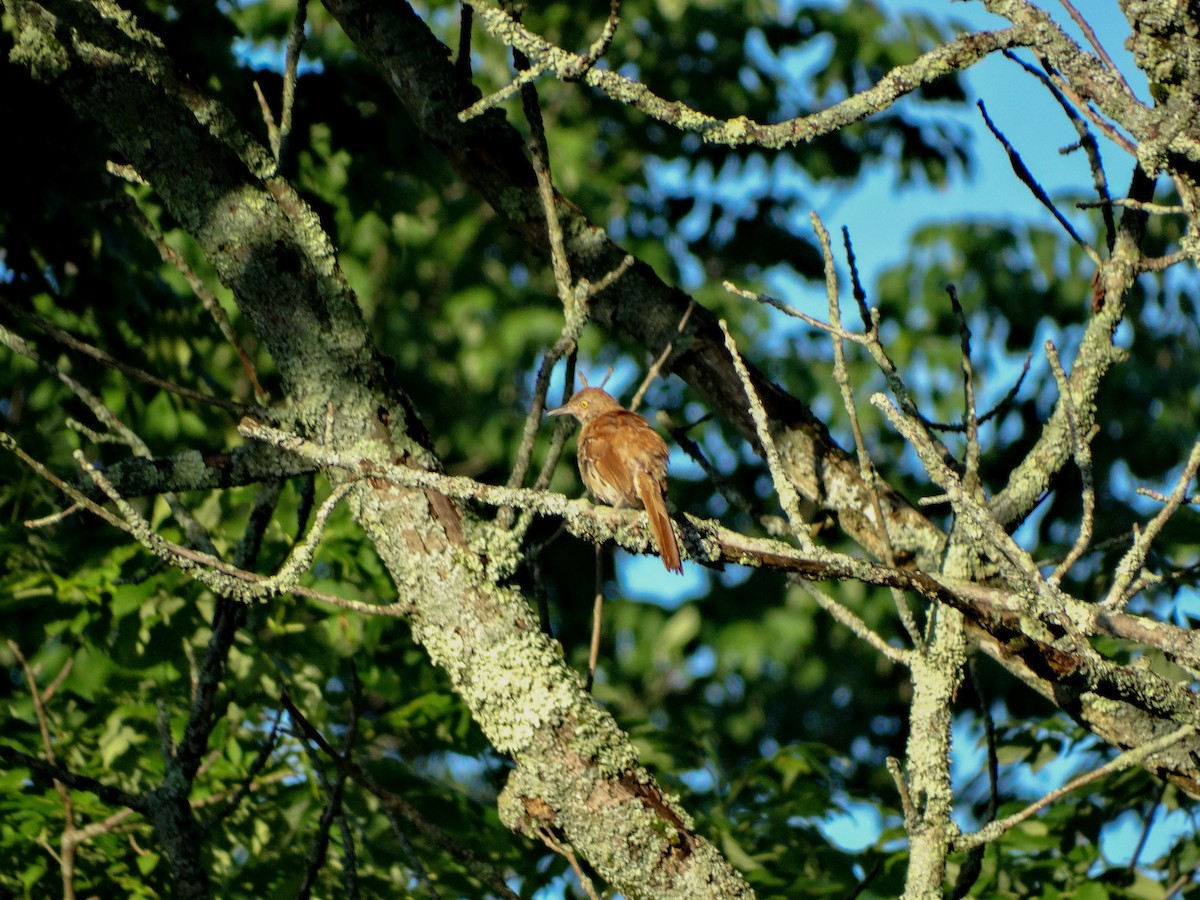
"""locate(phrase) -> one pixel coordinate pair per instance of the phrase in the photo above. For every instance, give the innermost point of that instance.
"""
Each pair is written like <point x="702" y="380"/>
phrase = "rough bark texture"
<point x="576" y="773"/>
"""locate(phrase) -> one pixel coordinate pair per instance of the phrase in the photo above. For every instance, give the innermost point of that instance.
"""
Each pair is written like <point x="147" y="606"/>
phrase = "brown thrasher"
<point x="623" y="462"/>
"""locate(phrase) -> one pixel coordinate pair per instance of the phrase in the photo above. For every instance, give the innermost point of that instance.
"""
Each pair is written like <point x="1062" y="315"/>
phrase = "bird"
<point x="623" y="462"/>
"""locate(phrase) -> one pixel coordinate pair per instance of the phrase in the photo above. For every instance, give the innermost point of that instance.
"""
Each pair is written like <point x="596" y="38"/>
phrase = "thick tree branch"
<point x="267" y="245"/>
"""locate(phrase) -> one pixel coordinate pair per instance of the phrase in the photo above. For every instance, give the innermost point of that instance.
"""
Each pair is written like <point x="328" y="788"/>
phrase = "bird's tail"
<point x="651" y="495"/>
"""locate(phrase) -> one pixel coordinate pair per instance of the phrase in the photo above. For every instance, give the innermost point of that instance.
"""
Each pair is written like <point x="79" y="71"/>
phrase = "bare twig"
<point x="1130" y="566"/>
<point x="1081" y="445"/>
<point x="1095" y="42"/>
<point x="836" y="331"/>
<point x="68" y="840"/>
<point x="207" y="298"/>
<point x="1157" y="209"/>
<point x="954" y="55"/>
<point x="222" y="577"/>
<point x="657" y="365"/>
<point x="789" y="499"/>
<point x="291" y="65"/>
<point x="866" y="467"/>
<point x="482" y="870"/>
<point x="1026" y="177"/>
<point x="1000" y="545"/>
<point x="906" y="804"/>
<point x="597" y="622"/>
<point x="564" y="850"/>
<point x="971" y="482"/>
<point x="599" y="46"/>
<point x="851" y="620"/>
<point x="1087" y="141"/>
<point x="1138" y="755"/>
<point x="69" y="340"/>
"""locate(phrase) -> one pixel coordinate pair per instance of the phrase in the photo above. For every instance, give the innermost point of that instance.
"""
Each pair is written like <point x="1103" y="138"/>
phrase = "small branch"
<point x="1161" y="263"/>
<point x="207" y="298"/>
<point x="836" y="331"/>
<point x="1134" y="757"/>
<point x="1131" y="564"/>
<point x="565" y="851"/>
<point x="69" y="340"/>
<point x="256" y="766"/>
<point x="110" y="795"/>
<point x="789" y="499"/>
<point x="851" y="620"/>
<point x="68" y="841"/>
<point x="1087" y="141"/>
<point x="597" y="622"/>
<point x="599" y="46"/>
<point x="482" y="870"/>
<point x="1157" y="209"/>
<point x="397" y="609"/>
<point x="524" y="77"/>
<point x="971" y="481"/>
<point x="291" y="66"/>
<point x="1095" y="42"/>
<point x="1081" y="447"/>
<point x="1023" y="173"/>
<point x="958" y="54"/>
<point x="333" y="807"/>
<point x="911" y="816"/>
<point x="860" y="296"/>
<point x="656" y="367"/>
<point x="1003" y="549"/>
<point x="866" y="466"/>
<point x="214" y="573"/>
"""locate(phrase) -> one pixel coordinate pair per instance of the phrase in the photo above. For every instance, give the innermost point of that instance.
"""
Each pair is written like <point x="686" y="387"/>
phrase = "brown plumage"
<point x="623" y="462"/>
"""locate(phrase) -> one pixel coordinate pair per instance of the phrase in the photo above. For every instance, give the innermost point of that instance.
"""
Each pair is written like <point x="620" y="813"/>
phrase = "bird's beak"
<point x="561" y="411"/>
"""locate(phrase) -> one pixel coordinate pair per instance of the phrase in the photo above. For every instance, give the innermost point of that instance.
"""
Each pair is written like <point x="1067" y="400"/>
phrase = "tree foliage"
<point x="288" y="604"/>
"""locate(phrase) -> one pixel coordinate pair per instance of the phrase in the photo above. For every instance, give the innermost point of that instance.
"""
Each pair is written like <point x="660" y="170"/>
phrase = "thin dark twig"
<point x="1141" y="844"/>
<point x="481" y="869"/>
<point x="860" y="295"/>
<point x="333" y="806"/>
<point x="110" y="795"/>
<point x="1023" y="173"/>
<point x="1087" y="141"/>
<point x="68" y="842"/>
<point x="1124" y="586"/>
<point x="256" y="765"/>
<point x="69" y="340"/>
<point x="717" y="479"/>
<point x="1004" y="403"/>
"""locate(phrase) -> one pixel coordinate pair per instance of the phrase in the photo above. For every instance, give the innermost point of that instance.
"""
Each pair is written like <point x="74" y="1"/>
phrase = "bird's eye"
<point x="583" y="404"/>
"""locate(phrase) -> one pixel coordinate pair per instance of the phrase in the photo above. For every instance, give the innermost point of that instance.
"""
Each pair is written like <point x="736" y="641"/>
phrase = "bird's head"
<point x="585" y="405"/>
